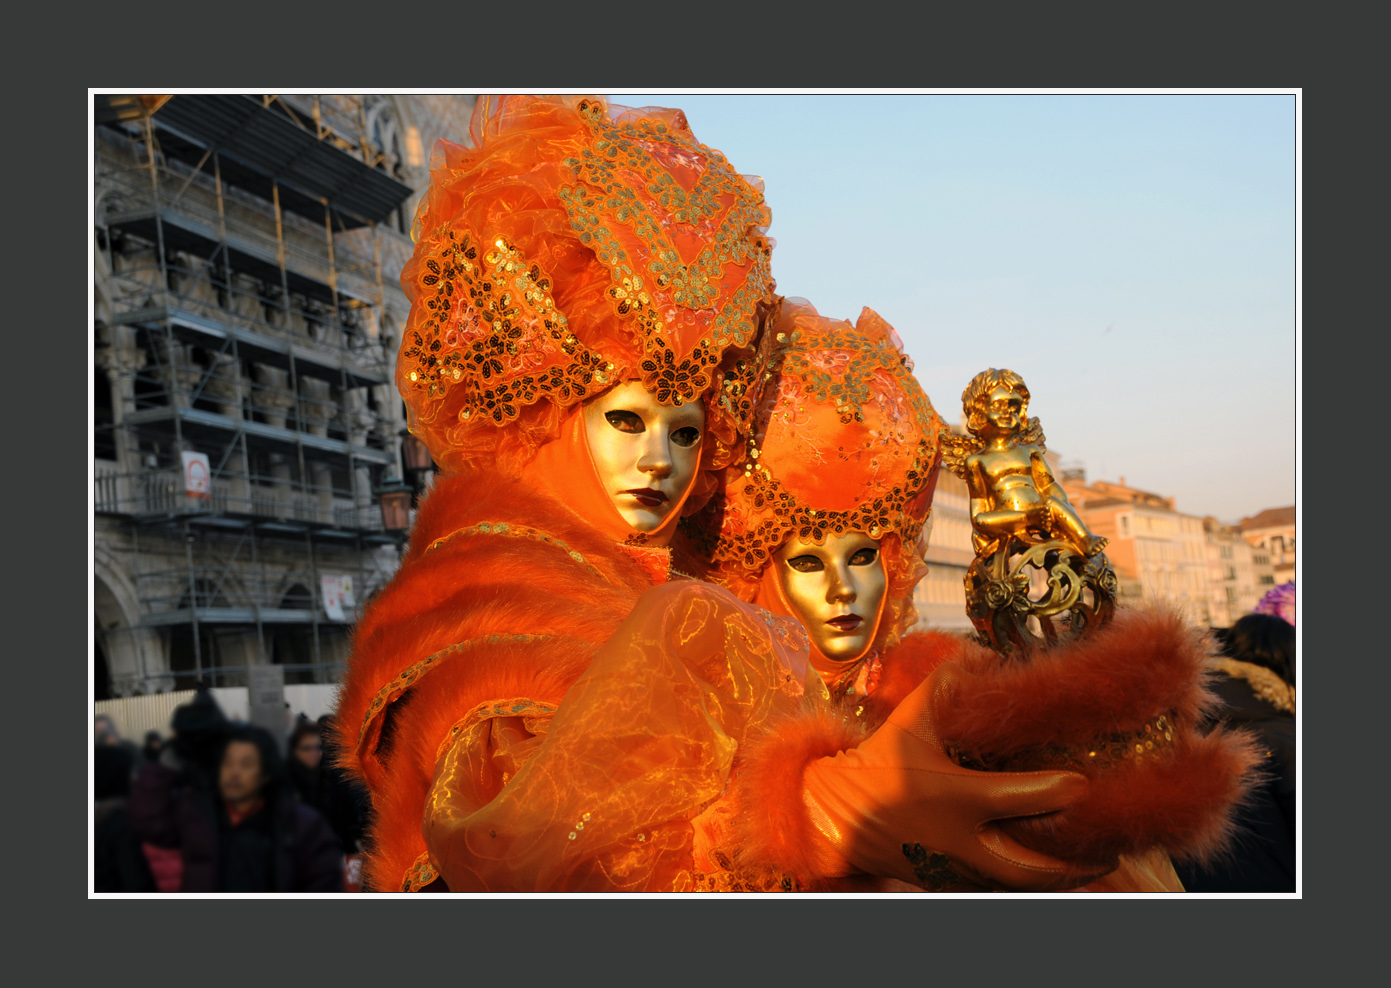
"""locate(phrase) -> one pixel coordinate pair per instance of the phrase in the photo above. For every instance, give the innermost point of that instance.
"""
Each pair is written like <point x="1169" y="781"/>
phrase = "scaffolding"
<point x="240" y="296"/>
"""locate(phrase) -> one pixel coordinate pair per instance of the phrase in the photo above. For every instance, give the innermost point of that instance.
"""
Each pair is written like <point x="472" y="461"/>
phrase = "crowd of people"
<point x="223" y="806"/>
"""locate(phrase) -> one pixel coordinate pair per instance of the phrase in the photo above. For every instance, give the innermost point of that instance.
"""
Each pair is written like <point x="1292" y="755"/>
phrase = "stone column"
<point x="271" y="396"/>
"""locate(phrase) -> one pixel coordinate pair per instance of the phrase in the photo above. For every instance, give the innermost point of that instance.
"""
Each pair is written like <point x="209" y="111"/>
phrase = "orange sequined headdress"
<point x="579" y="245"/>
<point x="843" y="438"/>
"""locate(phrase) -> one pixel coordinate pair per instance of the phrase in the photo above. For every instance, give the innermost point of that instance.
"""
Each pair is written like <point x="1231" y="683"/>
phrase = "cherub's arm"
<point x="982" y="502"/>
<point x="978" y="485"/>
<point x="1044" y="481"/>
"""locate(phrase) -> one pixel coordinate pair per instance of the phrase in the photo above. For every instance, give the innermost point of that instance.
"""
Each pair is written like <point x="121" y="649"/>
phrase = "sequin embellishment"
<point x="506" y="530"/>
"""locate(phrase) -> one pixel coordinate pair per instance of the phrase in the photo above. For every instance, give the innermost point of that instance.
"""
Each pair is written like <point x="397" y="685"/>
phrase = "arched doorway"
<point x="101" y="675"/>
<point x="116" y="661"/>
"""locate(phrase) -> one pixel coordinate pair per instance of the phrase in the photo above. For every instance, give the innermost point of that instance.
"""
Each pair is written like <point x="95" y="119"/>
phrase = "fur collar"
<point x="1265" y="683"/>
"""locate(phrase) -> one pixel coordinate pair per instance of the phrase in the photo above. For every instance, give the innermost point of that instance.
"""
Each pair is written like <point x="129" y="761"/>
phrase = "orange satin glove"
<point x="899" y="788"/>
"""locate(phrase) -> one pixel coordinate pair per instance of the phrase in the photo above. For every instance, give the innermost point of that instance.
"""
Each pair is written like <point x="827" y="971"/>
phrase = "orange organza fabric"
<point x="575" y="246"/>
<point x="641" y="746"/>
<point x="501" y="599"/>
<point x="843" y="437"/>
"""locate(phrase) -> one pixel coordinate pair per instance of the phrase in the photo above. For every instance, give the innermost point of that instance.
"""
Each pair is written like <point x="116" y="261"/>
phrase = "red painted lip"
<point x="649" y="496"/>
<point x="847" y="622"/>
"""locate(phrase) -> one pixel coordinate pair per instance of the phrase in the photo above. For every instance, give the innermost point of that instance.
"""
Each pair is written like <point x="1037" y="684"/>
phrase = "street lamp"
<point x="415" y="455"/>
<point x="395" y="499"/>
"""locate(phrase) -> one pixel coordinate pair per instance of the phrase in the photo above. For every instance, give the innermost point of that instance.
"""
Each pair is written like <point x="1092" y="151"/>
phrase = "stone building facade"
<point x="1239" y="574"/>
<point x="1156" y="551"/>
<point x="1274" y="530"/>
<point x="247" y="311"/>
<point x="941" y="595"/>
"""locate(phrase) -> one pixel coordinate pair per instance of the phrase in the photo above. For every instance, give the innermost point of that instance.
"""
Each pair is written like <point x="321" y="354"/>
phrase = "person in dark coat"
<point x="1255" y="682"/>
<point x="154" y="745"/>
<point x="306" y="764"/>
<point x="345" y="802"/>
<point x="244" y="832"/>
<point x="118" y="864"/>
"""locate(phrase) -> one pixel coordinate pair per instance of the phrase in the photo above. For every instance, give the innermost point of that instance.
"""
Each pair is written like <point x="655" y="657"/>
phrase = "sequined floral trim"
<point x="1154" y="739"/>
<point x="838" y="370"/>
<point x="933" y="870"/>
<point x="407" y="678"/>
<point x="655" y="560"/>
<point x="532" y="712"/>
<point x="419" y="875"/>
<point x="494" y="330"/>
<point x="507" y="530"/>
<point x="860" y="680"/>
<point x="623" y="176"/>
<point x="731" y="879"/>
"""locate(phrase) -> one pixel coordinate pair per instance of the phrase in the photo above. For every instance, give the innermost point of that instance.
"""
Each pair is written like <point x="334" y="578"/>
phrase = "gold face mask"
<point x="646" y="453"/>
<point x="836" y="590"/>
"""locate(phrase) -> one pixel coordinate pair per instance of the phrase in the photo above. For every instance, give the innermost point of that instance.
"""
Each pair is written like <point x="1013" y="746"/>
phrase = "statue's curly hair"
<point x="973" y="398"/>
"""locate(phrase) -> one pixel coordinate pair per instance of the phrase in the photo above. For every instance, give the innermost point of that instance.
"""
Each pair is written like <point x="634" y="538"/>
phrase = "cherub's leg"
<point x="1088" y="543"/>
<point x="1001" y="523"/>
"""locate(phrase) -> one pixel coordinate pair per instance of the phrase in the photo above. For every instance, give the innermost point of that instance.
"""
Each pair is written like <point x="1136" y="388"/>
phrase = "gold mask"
<point x="836" y="590"/>
<point x="645" y="453"/>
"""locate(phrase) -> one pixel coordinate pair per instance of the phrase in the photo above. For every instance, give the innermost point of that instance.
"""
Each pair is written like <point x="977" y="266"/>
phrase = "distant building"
<point x="1157" y="552"/>
<point x="941" y="596"/>
<point x="1239" y="574"/>
<point x="1274" y="530"/>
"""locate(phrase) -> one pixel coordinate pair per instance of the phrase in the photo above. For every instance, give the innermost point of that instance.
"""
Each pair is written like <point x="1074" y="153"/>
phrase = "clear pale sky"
<point x="1132" y="256"/>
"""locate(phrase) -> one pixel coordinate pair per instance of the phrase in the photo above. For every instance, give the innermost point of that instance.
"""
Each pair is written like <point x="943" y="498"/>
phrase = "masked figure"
<point x="587" y="288"/>
<point x="823" y="520"/>
<point x="822" y="523"/>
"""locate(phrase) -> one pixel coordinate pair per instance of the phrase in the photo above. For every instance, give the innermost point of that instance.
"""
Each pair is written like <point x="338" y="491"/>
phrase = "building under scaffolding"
<point x="246" y="420"/>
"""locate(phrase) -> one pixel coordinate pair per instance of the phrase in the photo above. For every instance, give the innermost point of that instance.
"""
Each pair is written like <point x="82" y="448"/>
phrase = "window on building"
<point x="341" y="477"/>
<point x="1267" y="580"/>
<point x="103" y="417"/>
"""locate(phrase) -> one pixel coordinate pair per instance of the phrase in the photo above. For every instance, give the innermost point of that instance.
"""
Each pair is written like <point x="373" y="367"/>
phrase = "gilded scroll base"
<point x="1021" y="597"/>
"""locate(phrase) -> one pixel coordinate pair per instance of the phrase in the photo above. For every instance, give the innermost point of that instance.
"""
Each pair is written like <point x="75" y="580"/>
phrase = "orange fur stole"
<point x="1179" y="796"/>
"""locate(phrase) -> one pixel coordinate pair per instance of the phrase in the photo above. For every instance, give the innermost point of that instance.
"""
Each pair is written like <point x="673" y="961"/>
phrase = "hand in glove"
<point x="898" y="806"/>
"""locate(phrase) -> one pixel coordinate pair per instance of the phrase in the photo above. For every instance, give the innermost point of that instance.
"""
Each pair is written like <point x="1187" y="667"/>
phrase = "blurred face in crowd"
<point x="105" y="731"/>
<point x="309" y="750"/>
<point x="240" y="778"/>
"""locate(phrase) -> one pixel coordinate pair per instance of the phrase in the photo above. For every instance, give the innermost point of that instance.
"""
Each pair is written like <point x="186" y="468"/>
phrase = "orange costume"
<point x="844" y="439"/>
<point x="576" y="247"/>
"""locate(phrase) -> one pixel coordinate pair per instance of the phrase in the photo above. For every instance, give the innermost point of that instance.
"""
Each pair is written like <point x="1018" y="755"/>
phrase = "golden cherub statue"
<point x="1013" y="492"/>
<point x="1019" y="509"/>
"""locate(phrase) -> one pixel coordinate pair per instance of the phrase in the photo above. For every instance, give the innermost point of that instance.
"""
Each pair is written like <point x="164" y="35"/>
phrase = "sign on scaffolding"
<point x="338" y="597"/>
<point x="265" y="696"/>
<point x="198" y="475"/>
